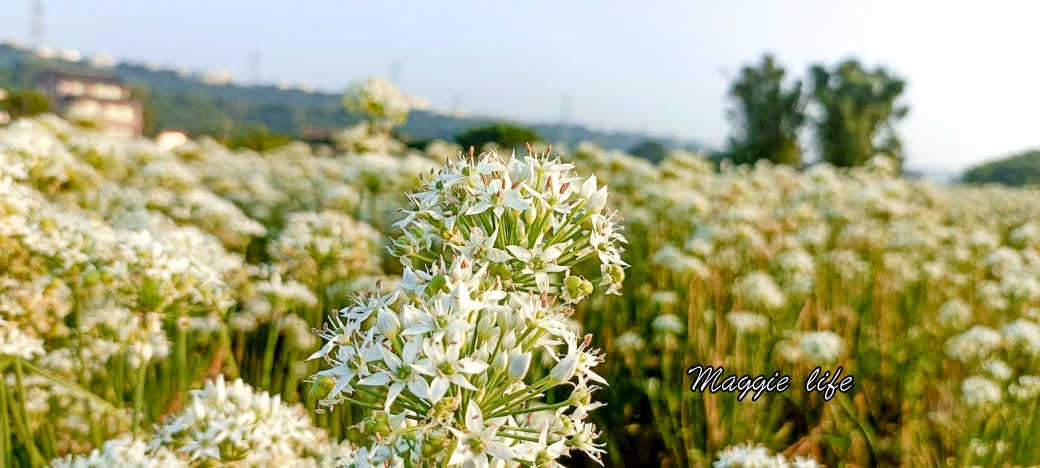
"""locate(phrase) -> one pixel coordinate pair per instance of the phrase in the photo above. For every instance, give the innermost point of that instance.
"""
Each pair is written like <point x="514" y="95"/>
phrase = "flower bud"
<point x="487" y="320"/>
<point x="481" y="354"/>
<point x="509" y="340"/>
<point x="388" y="323"/>
<point x="518" y="367"/>
<point x="598" y="200"/>
<point x="564" y="370"/>
<point x="500" y="362"/>
<point x="589" y="186"/>
<point x="530" y="215"/>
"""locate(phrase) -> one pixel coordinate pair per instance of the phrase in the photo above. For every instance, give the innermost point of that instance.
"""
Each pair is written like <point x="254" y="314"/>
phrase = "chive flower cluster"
<point x="445" y="364"/>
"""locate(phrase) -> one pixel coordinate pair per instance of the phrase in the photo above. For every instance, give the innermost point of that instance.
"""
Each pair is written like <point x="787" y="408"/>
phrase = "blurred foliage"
<point x="142" y="95"/>
<point x="650" y="150"/>
<point x="766" y="116"/>
<point x="258" y="138"/>
<point x="1015" y="170"/>
<point x="22" y="102"/>
<point x="857" y="111"/>
<point x="504" y="134"/>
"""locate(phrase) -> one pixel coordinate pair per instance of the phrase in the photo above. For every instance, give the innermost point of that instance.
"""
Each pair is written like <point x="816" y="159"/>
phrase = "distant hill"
<point x="183" y="101"/>
<point x="1015" y="170"/>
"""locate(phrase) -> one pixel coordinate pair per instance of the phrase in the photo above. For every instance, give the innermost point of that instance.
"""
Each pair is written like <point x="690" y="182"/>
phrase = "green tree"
<point x="24" y="102"/>
<point x="259" y="138"/>
<point x="767" y="116"/>
<point x="650" y="150"/>
<point x="857" y="113"/>
<point x="142" y="95"/>
<point x="504" y="134"/>
<point x="1019" y="169"/>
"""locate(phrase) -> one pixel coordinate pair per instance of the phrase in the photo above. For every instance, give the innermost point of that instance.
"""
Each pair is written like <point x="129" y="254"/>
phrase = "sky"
<point x="663" y="68"/>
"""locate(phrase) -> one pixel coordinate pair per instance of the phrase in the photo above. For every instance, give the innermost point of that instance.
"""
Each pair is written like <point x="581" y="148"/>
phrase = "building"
<point x="4" y="116"/>
<point x="168" y="139"/>
<point x="96" y="97"/>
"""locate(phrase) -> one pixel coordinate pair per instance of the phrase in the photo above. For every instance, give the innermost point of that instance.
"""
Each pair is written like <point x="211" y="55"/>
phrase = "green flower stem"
<point x="517" y="437"/>
<point x="81" y="392"/>
<point x="22" y="418"/>
<point x="269" y="348"/>
<point x="5" y="425"/>
<point x="139" y="395"/>
<point x="530" y="410"/>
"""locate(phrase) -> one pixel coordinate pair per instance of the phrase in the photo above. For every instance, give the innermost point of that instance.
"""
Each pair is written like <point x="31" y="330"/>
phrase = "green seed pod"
<point x="437" y="283"/>
<point x="322" y="387"/>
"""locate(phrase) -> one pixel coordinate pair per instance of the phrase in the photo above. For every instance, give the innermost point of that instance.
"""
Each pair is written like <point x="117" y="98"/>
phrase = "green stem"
<point x="139" y="395"/>
<point x="530" y="410"/>
<point x="79" y="391"/>
<point x="5" y="425"/>
<point x="22" y="418"/>
<point x="269" y="348"/>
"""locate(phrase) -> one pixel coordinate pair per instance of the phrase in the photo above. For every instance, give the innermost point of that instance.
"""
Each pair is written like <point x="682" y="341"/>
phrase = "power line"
<point x="395" y="72"/>
<point x="254" y="66"/>
<point x="36" y="28"/>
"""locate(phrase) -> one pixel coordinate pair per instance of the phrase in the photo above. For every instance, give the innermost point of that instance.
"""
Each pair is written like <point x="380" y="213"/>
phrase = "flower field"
<point x="391" y="307"/>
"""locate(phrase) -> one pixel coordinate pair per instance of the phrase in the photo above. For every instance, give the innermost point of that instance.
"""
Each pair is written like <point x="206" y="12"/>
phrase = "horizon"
<point x="583" y="72"/>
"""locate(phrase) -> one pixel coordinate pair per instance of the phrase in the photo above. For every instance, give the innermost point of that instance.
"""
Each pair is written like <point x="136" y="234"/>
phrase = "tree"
<point x="857" y="113"/>
<point x="504" y="134"/>
<point x="23" y="102"/>
<point x="767" y="117"/>
<point x="1020" y="169"/>
<point x="259" y="138"/>
<point x="142" y="95"/>
<point x="650" y="150"/>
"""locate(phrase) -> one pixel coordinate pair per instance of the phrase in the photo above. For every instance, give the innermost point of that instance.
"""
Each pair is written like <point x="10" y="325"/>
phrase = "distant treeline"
<point x="1016" y="170"/>
<point x="176" y="101"/>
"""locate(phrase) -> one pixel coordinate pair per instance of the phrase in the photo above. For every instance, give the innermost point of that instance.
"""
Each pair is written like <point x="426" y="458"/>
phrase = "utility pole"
<point x="395" y="72"/>
<point x="36" y="29"/>
<point x="456" y="104"/>
<point x="565" y="117"/>
<point x="254" y="66"/>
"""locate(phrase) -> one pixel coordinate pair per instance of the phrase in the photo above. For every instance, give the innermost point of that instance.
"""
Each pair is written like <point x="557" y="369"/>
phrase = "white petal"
<point x="470" y="365"/>
<point x="419" y="387"/>
<point x="474" y="417"/>
<point x="520" y="253"/>
<point x="479" y="208"/>
<point x="380" y="378"/>
<point x="391" y="395"/>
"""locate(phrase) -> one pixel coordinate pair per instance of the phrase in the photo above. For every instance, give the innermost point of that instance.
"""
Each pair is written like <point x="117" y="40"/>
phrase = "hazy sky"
<point x="659" y="67"/>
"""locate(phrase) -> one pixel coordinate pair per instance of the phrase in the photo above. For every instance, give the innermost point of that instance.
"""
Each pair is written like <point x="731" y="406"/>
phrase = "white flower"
<point x="499" y="196"/>
<point x="1024" y="335"/>
<point x="478" y="445"/>
<point x="822" y="346"/>
<point x="444" y="364"/>
<point x="980" y="391"/>
<point x="975" y="344"/>
<point x="747" y="322"/>
<point x="401" y="371"/>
